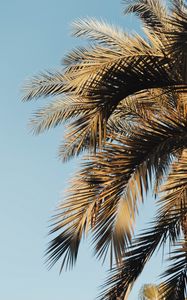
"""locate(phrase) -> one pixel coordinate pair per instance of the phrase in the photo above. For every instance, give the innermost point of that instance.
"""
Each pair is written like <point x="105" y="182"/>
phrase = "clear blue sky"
<point x="34" y="36"/>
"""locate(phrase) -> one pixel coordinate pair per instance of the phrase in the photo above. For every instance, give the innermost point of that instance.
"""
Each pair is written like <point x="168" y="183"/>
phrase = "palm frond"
<point x="59" y="111"/>
<point x="84" y="65"/>
<point x="74" y="145"/>
<point x="167" y="225"/>
<point x="177" y="40"/>
<point x="143" y="247"/>
<point x="176" y="185"/>
<point x="45" y="84"/>
<point x="139" y="253"/>
<point x="151" y="12"/>
<point x="102" y="78"/>
<point x="100" y="32"/>
<point x="76" y="216"/>
<point x="174" y="287"/>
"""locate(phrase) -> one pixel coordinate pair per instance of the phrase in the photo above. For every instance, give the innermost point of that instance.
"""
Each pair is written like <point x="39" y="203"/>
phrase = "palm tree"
<point x="123" y="99"/>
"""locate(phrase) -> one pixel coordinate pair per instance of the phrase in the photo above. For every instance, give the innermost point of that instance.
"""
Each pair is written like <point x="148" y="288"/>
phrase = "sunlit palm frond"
<point x="45" y="84"/>
<point x="174" y="287"/>
<point x="101" y="32"/>
<point x="152" y="12"/>
<point x="154" y="160"/>
<point x="176" y="185"/>
<point x="58" y="112"/>
<point x="75" y="216"/>
<point x="102" y="77"/>
<point x="73" y="109"/>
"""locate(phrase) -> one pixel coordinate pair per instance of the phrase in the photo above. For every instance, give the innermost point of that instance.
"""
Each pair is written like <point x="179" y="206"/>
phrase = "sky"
<point x="34" y="36"/>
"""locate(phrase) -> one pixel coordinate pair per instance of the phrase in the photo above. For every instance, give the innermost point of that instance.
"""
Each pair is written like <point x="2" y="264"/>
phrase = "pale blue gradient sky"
<point x="34" y="36"/>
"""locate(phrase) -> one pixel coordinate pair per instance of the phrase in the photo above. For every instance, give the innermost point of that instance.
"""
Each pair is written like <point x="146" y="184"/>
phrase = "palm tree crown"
<point x="123" y="99"/>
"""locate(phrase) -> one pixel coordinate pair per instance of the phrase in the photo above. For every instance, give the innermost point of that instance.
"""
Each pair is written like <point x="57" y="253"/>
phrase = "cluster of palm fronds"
<point x="124" y="101"/>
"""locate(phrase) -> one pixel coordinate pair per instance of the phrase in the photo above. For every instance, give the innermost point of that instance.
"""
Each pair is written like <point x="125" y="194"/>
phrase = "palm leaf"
<point x="174" y="287"/>
<point x="45" y="84"/>
<point x="152" y="12"/>
<point x="140" y="252"/>
<point x="101" y="32"/>
<point x="167" y="225"/>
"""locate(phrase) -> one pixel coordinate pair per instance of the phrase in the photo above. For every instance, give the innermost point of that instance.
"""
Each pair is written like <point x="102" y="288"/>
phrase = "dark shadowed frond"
<point x="167" y="225"/>
<point x="175" y="285"/>
<point x="127" y="115"/>
<point x="85" y="209"/>
<point x="139" y="253"/>
<point x="177" y="37"/>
